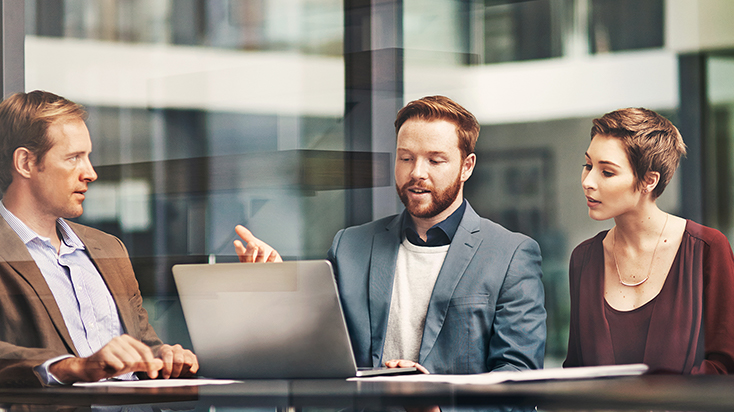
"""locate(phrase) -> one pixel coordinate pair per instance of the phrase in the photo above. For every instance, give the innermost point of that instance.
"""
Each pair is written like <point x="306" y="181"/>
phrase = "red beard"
<point x="440" y="199"/>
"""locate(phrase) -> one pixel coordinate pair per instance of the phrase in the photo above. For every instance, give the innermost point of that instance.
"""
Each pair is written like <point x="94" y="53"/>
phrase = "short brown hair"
<point x="442" y="108"/>
<point x="24" y="122"/>
<point x="652" y="142"/>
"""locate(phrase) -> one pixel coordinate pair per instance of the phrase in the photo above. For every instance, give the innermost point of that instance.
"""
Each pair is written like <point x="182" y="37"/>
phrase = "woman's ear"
<point x="650" y="182"/>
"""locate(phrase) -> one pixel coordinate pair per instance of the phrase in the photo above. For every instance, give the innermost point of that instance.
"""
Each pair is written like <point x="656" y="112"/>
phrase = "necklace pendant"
<point x="631" y="285"/>
<point x="652" y="260"/>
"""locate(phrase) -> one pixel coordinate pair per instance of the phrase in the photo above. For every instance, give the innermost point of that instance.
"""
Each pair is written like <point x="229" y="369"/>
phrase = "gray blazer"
<point x="486" y="312"/>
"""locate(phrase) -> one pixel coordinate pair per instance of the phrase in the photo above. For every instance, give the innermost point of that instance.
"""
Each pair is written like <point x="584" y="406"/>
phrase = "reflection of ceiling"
<point x="552" y="89"/>
<point x="114" y="74"/>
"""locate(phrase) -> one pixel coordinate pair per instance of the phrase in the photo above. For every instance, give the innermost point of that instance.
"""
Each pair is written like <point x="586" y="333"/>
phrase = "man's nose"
<point x="89" y="174"/>
<point x="419" y="170"/>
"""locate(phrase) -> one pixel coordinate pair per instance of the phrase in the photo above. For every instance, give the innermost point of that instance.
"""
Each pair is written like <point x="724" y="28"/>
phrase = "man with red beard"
<point x="436" y="287"/>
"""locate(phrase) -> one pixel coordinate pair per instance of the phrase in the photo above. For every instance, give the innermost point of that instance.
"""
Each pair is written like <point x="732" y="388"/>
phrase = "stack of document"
<point x="586" y="372"/>
<point x="490" y="378"/>
<point x="156" y="383"/>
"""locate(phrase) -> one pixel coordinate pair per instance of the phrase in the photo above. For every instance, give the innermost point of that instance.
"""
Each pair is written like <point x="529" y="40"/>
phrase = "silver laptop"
<point x="267" y="320"/>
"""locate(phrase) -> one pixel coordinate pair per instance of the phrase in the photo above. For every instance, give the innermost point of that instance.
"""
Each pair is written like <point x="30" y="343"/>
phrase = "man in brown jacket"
<point x="70" y="307"/>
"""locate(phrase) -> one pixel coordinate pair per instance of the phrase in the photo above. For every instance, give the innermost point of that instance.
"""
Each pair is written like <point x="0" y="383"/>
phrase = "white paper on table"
<point x="157" y="383"/>
<point x="489" y="378"/>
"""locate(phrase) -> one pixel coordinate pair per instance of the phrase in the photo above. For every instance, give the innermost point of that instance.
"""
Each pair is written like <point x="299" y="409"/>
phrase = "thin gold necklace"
<point x="649" y="271"/>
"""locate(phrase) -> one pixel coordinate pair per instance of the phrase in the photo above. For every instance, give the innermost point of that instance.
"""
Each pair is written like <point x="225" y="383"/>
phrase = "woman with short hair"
<point x="656" y="288"/>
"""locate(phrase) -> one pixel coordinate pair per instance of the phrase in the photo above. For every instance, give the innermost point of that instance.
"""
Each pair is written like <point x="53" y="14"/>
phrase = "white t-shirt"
<point x="416" y="272"/>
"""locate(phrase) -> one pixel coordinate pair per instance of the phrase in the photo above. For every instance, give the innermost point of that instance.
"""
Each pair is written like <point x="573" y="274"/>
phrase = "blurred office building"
<point x="278" y="114"/>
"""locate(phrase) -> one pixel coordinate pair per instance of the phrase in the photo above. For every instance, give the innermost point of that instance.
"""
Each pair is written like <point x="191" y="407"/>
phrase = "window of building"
<point x="617" y="25"/>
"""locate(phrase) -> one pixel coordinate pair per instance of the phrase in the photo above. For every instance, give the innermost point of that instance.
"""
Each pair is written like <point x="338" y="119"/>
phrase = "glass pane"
<point x="617" y="25"/>
<point x="203" y="114"/>
<point x="525" y="70"/>
<point x="523" y="30"/>
<point x="719" y="144"/>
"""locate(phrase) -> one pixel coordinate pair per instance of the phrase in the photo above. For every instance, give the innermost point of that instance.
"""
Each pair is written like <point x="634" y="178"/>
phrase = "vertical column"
<point x="12" y="46"/>
<point x="373" y="60"/>
<point x="692" y="125"/>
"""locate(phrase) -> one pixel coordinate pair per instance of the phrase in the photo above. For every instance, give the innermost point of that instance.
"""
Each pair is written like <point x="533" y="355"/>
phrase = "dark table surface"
<point x="655" y="392"/>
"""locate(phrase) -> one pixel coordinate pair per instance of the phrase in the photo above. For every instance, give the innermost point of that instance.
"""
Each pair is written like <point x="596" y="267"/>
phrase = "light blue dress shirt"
<point x="85" y="302"/>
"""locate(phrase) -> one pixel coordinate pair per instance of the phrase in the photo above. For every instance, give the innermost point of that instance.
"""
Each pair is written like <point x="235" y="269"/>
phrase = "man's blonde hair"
<point x="24" y="122"/>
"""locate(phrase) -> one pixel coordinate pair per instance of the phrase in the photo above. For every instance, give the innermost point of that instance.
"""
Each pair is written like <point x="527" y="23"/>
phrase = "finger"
<point x="153" y="368"/>
<point x="404" y="363"/>
<point x="149" y="363"/>
<point x="245" y="234"/>
<point x="410" y="364"/>
<point x="263" y="253"/>
<point x="144" y="359"/>
<point x="118" y="356"/>
<point x="258" y="255"/>
<point x="256" y="250"/>
<point x="274" y="257"/>
<point x="103" y="365"/>
<point x="115" y="358"/>
<point x="246" y="254"/>
<point x="192" y="362"/>
<point x="240" y="249"/>
<point x="178" y="361"/>
<point x="252" y="252"/>
<point x="392" y="363"/>
<point x="165" y="354"/>
<point x="422" y="368"/>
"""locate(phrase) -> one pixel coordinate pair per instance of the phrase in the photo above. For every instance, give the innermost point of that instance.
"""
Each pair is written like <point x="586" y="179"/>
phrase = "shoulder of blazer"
<point x="488" y="229"/>
<point x="87" y="231"/>
<point x="12" y="248"/>
<point x="95" y="238"/>
<point x="375" y="226"/>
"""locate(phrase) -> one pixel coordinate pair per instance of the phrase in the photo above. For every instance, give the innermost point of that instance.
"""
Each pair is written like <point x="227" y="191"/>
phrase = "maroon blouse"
<point x="691" y="326"/>
<point x="629" y="331"/>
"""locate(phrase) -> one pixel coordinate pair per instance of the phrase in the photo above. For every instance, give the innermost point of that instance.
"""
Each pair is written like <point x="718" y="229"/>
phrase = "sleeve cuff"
<point x="47" y="378"/>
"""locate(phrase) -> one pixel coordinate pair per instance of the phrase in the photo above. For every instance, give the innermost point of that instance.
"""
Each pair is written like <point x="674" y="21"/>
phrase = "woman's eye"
<point x="586" y="166"/>
<point x="607" y="174"/>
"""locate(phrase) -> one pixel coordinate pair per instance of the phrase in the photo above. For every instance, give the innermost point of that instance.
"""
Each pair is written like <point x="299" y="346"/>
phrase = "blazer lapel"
<point x="109" y="268"/>
<point x="463" y="247"/>
<point x="16" y="254"/>
<point x="382" y="273"/>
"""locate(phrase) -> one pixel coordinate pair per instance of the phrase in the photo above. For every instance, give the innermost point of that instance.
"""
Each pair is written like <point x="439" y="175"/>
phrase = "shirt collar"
<point x="440" y="234"/>
<point x="27" y="234"/>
